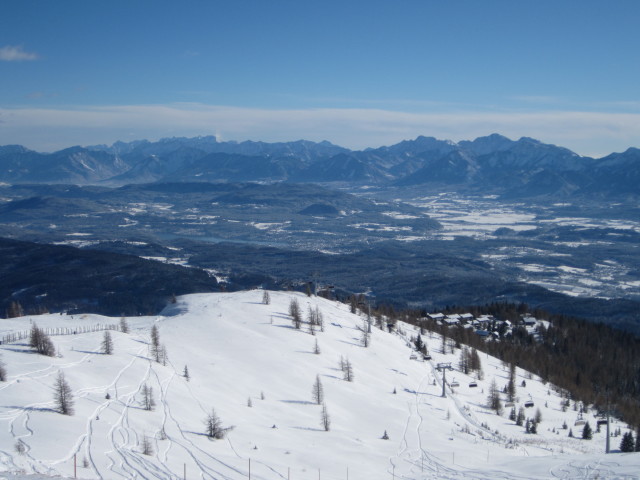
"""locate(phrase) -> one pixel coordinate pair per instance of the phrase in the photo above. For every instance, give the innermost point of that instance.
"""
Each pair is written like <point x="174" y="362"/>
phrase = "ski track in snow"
<point x="116" y="421"/>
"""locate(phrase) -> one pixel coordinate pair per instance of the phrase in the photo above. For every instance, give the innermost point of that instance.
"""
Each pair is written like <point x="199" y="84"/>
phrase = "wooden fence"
<point x="21" y="335"/>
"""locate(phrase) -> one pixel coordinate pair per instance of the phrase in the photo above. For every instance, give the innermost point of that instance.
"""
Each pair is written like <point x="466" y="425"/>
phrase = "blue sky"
<point x="359" y="74"/>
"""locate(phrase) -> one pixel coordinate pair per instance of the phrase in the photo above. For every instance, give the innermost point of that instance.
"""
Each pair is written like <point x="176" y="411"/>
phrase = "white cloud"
<point x="587" y="133"/>
<point x="15" y="53"/>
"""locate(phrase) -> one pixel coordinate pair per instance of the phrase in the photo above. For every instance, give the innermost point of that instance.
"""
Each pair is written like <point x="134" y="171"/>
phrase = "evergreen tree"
<point x="185" y="373"/>
<point x="627" y="444"/>
<point x="511" y="386"/>
<point x="107" y="343"/>
<point x="638" y="439"/>
<point x="512" y="414"/>
<point x="520" y="417"/>
<point x="266" y="298"/>
<point x="124" y="326"/>
<point x="538" y="417"/>
<point x="316" y="348"/>
<point x="62" y="395"/>
<point x="493" y="399"/>
<point x="587" y="433"/>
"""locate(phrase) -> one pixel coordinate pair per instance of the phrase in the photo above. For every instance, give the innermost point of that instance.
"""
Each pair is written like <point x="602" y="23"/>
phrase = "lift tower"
<point x="443" y="367"/>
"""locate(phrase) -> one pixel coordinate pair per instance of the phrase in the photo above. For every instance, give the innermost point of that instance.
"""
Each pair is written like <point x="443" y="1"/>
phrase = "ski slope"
<point x="246" y="361"/>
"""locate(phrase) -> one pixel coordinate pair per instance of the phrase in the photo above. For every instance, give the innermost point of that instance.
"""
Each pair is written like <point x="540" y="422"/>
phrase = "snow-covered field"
<point x="246" y="361"/>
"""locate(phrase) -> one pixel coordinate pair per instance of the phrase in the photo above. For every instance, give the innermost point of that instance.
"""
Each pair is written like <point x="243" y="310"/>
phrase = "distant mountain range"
<point x="493" y="164"/>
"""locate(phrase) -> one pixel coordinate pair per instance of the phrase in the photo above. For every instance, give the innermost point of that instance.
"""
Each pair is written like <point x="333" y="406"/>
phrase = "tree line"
<point x="589" y="362"/>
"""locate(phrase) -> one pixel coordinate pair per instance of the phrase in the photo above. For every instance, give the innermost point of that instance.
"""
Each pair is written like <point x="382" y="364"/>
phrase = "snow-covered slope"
<point x="246" y="361"/>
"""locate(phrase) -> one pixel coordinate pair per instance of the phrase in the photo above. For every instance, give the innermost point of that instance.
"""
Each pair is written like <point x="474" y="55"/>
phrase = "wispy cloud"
<point x="16" y="53"/>
<point x="587" y="133"/>
<point x="538" y="99"/>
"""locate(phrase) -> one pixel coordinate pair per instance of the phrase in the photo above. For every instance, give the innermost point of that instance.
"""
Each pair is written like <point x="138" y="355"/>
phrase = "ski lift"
<point x="529" y="403"/>
<point x="426" y="357"/>
<point x="454" y="383"/>
<point x="509" y="405"/>
<point x="580" y="421"/>
<point x="602" y="421"/>
<point x="413" y="357"/>
<point x="473" y="384"/>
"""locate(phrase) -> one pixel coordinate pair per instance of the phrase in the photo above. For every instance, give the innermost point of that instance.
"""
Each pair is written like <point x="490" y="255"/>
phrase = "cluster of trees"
<point x="315" y="319"/>
<point x="628" y="444"/>
<point x="588" y="361"/>
<point x="317" y="393"/>
<point x="157" y="350"/>
<point x="41" y="342"/>
<point x="347" y="369"/>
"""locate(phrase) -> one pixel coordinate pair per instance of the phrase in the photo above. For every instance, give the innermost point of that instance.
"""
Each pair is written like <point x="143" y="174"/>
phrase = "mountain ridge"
<point x="492" y="163"/>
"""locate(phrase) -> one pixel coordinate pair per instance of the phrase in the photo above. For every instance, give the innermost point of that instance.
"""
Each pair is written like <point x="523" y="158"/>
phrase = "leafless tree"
<point x="63" y="397"/>
<point x="107" y="343"/>
<point x="348" y="371"/>
<point x="155" y="344"/>
<point x="39" y="340"/>
<point x="147" y="402"/>
<point x="325" y="420"/>
<point x="3" y="371"/>
<point x="20" y="447"/>
<point x="146" y="447"/>
<point x="317" y="391"/>
<point x="213" y="426"/>
<point x="294" y="312"/>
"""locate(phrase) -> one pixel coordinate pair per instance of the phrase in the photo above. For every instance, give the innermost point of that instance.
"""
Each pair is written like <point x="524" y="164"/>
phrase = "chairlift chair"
<point x="529" y="403"/>
<point x="473" y="384"/>
<point x="454" y="383"/>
